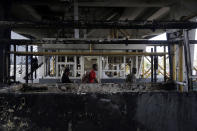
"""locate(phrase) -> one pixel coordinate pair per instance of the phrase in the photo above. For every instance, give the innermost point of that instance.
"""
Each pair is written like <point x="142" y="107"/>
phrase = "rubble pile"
<point x="87" y="88"/>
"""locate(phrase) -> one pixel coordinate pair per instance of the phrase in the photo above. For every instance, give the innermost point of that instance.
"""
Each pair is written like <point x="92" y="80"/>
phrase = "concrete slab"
<point x="98" y="111"/>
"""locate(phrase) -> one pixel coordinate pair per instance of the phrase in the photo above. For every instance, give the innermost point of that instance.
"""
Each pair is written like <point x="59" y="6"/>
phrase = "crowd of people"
<point x="90" y="77"/>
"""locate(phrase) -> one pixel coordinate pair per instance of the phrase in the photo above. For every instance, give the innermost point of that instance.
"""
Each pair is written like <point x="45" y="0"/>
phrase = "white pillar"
<point x="192" y="34"/>
<point x="136" y="66"/>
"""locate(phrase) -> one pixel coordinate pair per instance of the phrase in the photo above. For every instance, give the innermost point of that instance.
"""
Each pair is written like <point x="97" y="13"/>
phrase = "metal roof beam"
<point x="92" y="41"/>
<point x="103" y="24"/>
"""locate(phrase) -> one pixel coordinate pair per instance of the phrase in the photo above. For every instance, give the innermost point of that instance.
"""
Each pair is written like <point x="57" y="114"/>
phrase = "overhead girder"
<point x="105" y="3"/>
<point x="131" y="13"/>
<point x="77" y="24"/>
<point x="93" y="41"/>
<point x="159" y="13"/>
<point x="87" y="53"/>
<point x="25" y="12"/>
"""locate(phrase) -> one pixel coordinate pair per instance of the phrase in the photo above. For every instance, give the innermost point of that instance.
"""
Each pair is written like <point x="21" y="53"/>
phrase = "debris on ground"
<point x="90" y="88"/>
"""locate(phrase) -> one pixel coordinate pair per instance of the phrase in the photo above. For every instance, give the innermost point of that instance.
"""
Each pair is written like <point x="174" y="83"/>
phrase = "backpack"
<point x="86" y="77"/>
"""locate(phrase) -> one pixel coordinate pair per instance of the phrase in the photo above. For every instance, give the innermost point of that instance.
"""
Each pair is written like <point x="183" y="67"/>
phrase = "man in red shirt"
<point x="92" y="77"/>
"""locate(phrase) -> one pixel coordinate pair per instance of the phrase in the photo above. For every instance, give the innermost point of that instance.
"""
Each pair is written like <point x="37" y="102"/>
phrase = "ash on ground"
<point x="85" y="88"/>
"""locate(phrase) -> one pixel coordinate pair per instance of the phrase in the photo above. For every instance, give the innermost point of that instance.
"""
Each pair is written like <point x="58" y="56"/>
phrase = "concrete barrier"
<point x="123" y="111"/>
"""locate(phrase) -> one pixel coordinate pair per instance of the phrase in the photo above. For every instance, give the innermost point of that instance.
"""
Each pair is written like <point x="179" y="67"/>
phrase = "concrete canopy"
<point x="57" y="10"/>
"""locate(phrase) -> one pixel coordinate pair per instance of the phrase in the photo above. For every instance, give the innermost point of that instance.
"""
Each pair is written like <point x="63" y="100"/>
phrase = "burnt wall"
<point x="147" y="111"/>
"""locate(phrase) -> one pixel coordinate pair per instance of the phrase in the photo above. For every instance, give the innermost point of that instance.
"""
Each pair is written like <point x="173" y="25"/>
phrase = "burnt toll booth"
<point x="75" y="65"/>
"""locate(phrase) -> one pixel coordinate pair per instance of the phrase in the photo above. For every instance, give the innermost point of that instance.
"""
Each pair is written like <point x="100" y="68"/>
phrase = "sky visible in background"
<point x="17" y="36"/>
<point x="159" y="37"/>
<point x="160" y="49"/>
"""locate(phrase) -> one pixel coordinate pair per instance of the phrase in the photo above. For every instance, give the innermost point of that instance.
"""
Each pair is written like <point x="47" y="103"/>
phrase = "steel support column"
<point x="76" y="17"/>
<point x="143" y="70"/>
<point x="26" y="67"/>
<point x="4" y="59"/>
<point x="14" y="64"/>
<point x="5" y="33"/>
<point x="152" y="68"/>
<point x="155" y="65"/>
<point x="170" y="36"/>
<point x="170" y="62"/>
<point x="164" y="65"/>
<point x="174" y="62"/>
<point x="188" y="60"/>
<point x="31" y="57"/>
<point x="180" y="66"/>
<point x="8" y="63"/>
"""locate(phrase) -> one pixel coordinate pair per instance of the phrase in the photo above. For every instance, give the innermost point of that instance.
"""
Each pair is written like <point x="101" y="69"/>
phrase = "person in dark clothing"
<point x="65" y="76"/>
<point x="35" y="65"/>
<point x="131" y="78"/>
